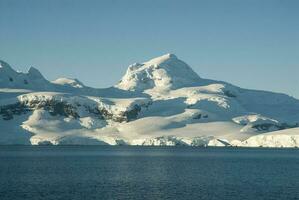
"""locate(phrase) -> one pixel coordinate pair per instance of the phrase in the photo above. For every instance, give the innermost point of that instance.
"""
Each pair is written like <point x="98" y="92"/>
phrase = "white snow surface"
<point x="69" y="82"/>
<point x="161" y="102"/>
<point x="165" y="72"/>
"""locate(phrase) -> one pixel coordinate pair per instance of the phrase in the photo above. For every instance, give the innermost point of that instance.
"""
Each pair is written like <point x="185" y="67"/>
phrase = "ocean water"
<point x="122" y="172"/>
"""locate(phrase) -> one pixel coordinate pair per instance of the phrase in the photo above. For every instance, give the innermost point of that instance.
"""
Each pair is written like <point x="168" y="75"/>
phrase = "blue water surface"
<point x="124" y="172"/>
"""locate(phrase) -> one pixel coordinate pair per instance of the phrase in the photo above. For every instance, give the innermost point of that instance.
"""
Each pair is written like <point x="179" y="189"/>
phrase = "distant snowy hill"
<point x="9" y="78"/>
<point x="69" y="82"/>
<point x="158" y="102"/>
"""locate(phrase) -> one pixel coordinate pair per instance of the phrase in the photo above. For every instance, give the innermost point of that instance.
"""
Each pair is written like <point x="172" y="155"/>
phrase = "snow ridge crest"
<point x="163" y="73"/>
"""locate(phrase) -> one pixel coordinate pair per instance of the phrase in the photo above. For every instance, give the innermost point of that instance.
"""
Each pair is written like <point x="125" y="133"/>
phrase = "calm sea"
<point x="122" y="172"/>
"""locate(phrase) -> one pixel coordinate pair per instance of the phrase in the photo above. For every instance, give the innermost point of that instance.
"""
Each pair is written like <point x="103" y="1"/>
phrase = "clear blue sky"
<point x="250" y="43"/>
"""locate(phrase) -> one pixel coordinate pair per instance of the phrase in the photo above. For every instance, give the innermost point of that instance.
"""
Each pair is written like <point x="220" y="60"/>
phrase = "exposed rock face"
<point x="53" y="107"/>
<point x="8" y="111"/>
<point x="261" y="123"/>
<point x="57" y="105"/>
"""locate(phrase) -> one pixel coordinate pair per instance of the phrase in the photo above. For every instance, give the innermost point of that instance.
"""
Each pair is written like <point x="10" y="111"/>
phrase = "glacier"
<point x="160" y="102"/>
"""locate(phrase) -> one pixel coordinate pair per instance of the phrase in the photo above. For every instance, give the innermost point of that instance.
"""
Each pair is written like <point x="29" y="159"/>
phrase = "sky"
<point x="250" y="43"/>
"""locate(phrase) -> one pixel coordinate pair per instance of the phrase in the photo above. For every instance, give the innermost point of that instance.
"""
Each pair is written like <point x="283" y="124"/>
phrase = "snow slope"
<point x="159" y="102"/>
<point x="283" y="138"/>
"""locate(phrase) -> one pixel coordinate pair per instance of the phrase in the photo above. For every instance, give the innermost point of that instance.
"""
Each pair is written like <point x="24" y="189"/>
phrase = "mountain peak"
<point x="163" y="58"/>
<point x="34" y="73"/>
<point x="164" y="72"/>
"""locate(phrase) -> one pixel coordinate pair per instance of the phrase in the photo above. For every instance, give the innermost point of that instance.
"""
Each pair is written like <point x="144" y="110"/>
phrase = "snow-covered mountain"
<point x="9" y="78"/>
<point x="159" y="102"/>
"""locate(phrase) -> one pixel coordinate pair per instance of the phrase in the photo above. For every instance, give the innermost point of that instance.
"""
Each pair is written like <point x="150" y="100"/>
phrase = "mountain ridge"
<point x="158" y="102"/>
